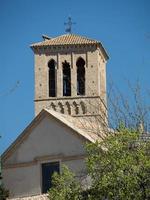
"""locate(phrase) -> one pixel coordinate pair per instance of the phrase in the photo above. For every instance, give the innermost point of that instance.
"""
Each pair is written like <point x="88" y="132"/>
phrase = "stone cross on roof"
<point x="69" y="25"/>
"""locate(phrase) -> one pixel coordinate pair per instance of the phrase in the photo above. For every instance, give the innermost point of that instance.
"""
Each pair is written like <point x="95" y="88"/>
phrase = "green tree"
<point x="65" y="186"/>
<point x="3" y="193"/>
<point x="120" y="167"/>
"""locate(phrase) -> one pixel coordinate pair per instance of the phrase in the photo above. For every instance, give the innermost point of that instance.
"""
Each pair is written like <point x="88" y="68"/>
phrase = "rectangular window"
<point x="47" y="171"/>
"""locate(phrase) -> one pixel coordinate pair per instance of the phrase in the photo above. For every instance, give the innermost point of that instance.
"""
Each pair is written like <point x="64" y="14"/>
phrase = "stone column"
<point x="59" y="77"/>
<point x="73" y="76"/>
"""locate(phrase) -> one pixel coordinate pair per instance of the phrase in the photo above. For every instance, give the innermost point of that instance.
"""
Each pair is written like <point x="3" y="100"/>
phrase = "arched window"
<point x="66" y="79"/>
<point x="52" y="78"/>
<point x="80" y="76"/>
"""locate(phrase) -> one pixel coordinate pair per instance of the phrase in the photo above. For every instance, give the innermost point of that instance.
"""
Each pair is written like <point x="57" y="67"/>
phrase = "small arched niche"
<point x="83" y="107"/>
<point x="68" y="108"/>
<point x="53" y="106"/>
<point x="76" y="108"/>
<point x="61" y="108"/>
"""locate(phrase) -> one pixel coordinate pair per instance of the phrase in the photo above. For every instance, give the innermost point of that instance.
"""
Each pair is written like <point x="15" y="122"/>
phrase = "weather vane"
<point x="69" y="25"/>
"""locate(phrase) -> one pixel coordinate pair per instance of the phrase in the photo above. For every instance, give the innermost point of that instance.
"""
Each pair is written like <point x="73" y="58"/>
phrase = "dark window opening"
<point x="47" y="171"/>
<point x="52" y="79"/>
<point x="66" y="79"/>
<point x="80" y="77"/>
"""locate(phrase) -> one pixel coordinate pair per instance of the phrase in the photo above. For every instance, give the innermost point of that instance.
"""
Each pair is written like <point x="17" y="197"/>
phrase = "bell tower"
<point x="70" y="75"/>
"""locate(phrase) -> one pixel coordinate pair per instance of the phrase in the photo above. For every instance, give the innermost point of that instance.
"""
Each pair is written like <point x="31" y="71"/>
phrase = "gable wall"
<point x="48" y="138"/>
<point x="49" y="141"/>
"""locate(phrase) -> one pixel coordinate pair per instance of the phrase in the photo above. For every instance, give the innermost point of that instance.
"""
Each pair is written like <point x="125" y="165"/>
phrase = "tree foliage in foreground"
<point x="119" y="167"/>
<point x="65" y="186"/>
<point x="3" y="193"/>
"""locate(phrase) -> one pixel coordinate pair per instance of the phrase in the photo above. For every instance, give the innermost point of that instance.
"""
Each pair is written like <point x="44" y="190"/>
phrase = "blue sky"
<point x="123" y="27"/>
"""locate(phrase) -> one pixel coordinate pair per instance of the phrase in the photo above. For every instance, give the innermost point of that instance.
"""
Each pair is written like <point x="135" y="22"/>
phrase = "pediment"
<point x="47" y="129"/>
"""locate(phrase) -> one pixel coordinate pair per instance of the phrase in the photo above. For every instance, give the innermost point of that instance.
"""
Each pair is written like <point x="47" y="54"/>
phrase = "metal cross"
<point x="69" y="25"/>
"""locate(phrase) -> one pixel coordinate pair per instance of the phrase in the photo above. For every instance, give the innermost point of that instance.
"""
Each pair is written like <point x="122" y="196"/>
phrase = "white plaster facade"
<point x="46" y="140"/>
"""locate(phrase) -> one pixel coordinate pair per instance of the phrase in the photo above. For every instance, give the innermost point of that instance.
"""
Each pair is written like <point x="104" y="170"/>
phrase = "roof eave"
<point x="36" y="46"/>
<point x="106" y="56"/>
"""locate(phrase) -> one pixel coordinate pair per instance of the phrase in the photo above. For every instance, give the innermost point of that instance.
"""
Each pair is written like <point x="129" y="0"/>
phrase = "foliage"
<point x="3" y="193"/>
<point x="120" y="167"/>
<point x="65" y="186"/>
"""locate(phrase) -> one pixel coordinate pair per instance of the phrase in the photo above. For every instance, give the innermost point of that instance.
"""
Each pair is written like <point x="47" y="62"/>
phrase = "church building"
<point x="70" y="110"/>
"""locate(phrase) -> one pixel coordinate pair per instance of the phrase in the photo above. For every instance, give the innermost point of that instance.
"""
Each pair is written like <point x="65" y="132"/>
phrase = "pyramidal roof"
<point x="67" y="39"/>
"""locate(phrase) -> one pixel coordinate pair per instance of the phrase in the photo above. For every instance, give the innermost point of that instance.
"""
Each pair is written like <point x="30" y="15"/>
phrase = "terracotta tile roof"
<point x="67" y="39"/>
